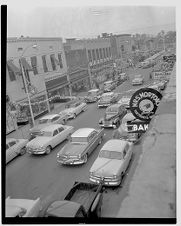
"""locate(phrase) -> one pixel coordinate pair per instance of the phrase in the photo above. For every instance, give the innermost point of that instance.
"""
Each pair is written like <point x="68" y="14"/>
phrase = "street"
<point x="32" y="176"/>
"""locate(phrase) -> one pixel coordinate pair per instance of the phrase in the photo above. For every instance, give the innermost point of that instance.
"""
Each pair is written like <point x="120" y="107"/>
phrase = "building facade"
<point x="77" y="65"/>
<point x="98" y="51"/>
<point x="43" y="63"/>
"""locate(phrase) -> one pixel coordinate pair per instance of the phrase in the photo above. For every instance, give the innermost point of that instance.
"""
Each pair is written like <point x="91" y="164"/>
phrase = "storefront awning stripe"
<point x="13" y="67"/>
<point x="26" y="64"/>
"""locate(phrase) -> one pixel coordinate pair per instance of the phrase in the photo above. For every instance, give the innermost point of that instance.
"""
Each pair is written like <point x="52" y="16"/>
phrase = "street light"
<point x="24" y="79"/>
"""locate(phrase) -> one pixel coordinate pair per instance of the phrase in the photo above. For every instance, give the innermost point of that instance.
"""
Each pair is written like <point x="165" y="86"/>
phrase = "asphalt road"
<point x="32" y="176"/>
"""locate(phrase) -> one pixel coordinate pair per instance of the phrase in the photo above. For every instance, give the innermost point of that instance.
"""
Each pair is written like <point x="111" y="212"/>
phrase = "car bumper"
<point x="104" y="105"/>
<point x="36" y="151"/>
<point x="106" y="182"/>
<point x="137" y="83"/>
<point x="107" y="126"/>
<point x="71" y="161"/>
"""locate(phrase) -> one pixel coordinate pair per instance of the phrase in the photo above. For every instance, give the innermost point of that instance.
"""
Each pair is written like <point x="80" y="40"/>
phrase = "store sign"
<point x="144" y="102"/>
<point x="137" y="127"/>
<point x="161" y="75"/>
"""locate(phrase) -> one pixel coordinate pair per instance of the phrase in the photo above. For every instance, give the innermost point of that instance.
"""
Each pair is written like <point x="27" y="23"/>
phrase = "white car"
<point x="22" y="207"/>
<point x="111" y="163"/>
<point x="73" y="109"/>
<point x="46" y="120"/>
<point x="125" y="101"/>
<point x="107" y="99"/>
<point x="138" y="80"/>
<point x="15" y="147"/>
<point x="50" y="137"/>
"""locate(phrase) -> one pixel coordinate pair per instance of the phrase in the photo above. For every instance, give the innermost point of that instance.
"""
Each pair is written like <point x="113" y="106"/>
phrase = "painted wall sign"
<point x="137" y="127"/>
<point x="144" y="102"/>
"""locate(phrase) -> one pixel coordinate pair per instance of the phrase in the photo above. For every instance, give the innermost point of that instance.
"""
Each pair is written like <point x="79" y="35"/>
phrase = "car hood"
<point x="104" y="167"/>
<point x="69" y="110"/>
<point x="73" y="149"/>
<point x="39" y="127"/>
<point x="38" y="141"/>
<point x="109" y="116"/>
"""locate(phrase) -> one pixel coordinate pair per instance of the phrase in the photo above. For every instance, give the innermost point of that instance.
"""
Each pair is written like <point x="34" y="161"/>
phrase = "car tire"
<point x="63" y="121"/>
<point x="85" y="158"/>
<point x="117" y="124"/>
<point x="48" y="150"/>
<point x="23" y="151"/>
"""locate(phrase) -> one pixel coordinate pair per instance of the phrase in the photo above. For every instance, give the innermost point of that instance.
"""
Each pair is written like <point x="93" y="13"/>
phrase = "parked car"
<point x="124" y="101"/>
<point x="111" y="163"/>
<point x="138" y="80"/>
<point x="22" y="207"/>
<point x="83" y="142"/>
<point x="93" y="95"/>
<point x="48" y="120"/>
<point x="22" y="118"/>
<point x="15" y="147"/>
<point x="107" y="99"/>
<point x="48" y="138"/>
<point x="114" y="113"/>
<point x="109" y="86"/>
<point x="84" y="200"/>
<point x="123" y="76"/>
<point x="122" y="132"/>
<point x="73" y="109"/>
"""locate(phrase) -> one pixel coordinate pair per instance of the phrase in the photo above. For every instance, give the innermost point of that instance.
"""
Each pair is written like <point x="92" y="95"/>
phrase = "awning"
<point x="25" y="64"/>
<point x="13" y="67"/>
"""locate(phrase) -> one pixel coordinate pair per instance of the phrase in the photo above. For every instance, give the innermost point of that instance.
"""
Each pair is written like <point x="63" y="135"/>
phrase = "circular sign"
<point x="144" y="102"/>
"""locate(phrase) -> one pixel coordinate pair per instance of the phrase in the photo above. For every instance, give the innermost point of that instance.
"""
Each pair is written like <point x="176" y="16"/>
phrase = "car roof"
<point x="51" y="127"/>
<point x="10" y="139"/>
<point x="93" y="90"/>
<point x="114" y="105"/>
<point x="108" y="94"/>
<point x="114" y="145"/>
<point x="49" y="116"/>
<point x="83" y="132"/>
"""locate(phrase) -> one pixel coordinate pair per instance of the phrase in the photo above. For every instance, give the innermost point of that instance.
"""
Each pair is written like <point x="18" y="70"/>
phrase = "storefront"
<point x="58" y="86"/>
<point x="80" y="81"/>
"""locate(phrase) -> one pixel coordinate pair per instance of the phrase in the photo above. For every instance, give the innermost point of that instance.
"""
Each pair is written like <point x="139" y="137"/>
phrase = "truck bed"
<point x="83" y="193"/>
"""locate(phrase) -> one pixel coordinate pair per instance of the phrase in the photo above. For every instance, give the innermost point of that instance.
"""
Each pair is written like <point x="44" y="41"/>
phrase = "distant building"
<point x="99" y="56"/>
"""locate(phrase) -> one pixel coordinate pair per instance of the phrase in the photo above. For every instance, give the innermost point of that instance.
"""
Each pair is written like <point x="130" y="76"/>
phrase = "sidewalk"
<point x="152" y="191"/>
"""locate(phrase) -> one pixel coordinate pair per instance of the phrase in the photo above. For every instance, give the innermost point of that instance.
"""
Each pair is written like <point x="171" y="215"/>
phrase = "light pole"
<point x="25" y="83"/>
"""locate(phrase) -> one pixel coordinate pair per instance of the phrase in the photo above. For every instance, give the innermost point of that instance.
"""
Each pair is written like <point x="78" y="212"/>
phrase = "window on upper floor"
<point x="93" y="54"/>
<point x="122" y="48"/>
<point x="100" y="53"/>
<point x="89" y="56"/>
<point x="34" y="65"/>
<point x="110" y="52"/>
<point x="12" y="75"/>
<point x="107" y="54"/>
<point x="52" y="58"/>
<point x="60" y="60"/>
<point x="104" y="54"/>
<point x="45" y="68"/>
<point x="97" y="54"/>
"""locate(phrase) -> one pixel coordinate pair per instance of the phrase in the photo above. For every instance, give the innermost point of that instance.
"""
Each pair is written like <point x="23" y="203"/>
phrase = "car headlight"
<point x="91" y="173"/>
<point x="79" y="156"/>
<point x="58" y="155"/>
<point x="114" y="176"/>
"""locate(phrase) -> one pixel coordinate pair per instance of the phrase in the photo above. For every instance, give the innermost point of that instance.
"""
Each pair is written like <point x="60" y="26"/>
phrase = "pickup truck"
<point x="84" y="200"/>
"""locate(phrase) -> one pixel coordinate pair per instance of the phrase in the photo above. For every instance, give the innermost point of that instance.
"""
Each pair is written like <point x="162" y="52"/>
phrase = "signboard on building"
<point x="159" y="75"/>
<point x="144" y="102"/>
<point x="137" y="127"/>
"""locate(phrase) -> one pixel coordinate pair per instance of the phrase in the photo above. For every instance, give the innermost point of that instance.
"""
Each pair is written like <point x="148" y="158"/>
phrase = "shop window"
<point x="45" y="68"/>
<point x="52" y="58"/>
<point x="60" y="60"/>
<point x="34" y="64"/>
<point x="12" y="76"/>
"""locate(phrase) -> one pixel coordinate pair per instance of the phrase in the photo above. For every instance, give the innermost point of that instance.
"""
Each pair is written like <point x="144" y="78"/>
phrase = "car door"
<point x="56" y="120"/>
<point x="62" y="134"/>
<point x="11" y="152"/>
<point x="126" y="156"/>
<point x="93" y="141"/>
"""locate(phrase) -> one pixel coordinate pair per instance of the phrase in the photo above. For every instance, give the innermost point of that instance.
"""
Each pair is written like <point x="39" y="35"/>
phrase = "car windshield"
<point x="112" y="110"/>
<point x="42" y="121"/>
<point x="78" y="139"/>
<point x="111" y="154"/>
<point x="106" y="98"/>
<point x="46" y="134"/>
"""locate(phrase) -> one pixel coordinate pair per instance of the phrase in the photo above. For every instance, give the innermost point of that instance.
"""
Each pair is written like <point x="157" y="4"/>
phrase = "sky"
<point x="55" y="19"/>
